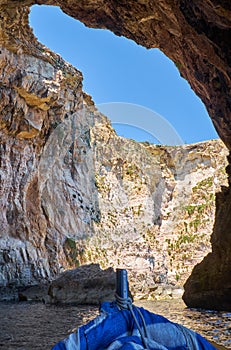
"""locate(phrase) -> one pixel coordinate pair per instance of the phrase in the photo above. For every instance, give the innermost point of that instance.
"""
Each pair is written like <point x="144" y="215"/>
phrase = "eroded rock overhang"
<point x="195" y="35"/>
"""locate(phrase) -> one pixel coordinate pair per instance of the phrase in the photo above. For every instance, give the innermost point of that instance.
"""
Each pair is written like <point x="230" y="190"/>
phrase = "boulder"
<point x="88" y="284"/>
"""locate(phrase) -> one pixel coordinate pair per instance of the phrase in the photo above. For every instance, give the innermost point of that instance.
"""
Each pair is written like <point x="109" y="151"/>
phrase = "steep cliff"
<point x="157" y="208"/>
<point x="73" y="192"/>
<point x="44" y="144"/>
<point x="39" y="92"/>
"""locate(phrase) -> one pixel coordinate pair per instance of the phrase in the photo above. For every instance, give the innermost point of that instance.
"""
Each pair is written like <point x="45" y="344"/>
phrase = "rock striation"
<point x="49" y="192"/>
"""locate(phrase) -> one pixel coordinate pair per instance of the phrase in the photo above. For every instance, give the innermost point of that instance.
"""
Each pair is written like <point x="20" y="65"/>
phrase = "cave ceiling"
<point x="195" y="35"/>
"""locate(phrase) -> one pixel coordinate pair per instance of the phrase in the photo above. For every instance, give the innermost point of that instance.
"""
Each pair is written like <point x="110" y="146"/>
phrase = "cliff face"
<point x="48" y="158"/>
<point x="73" y="192"/>
<point x="157" y="208"/>
<point x="44" y="147"/>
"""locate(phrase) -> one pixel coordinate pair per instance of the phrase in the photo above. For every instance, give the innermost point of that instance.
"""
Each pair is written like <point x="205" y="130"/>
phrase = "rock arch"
<point x="196" y="36"/>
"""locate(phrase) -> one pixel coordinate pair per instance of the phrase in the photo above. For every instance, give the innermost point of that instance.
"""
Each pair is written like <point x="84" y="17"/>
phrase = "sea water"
<point x="36" y="326"/>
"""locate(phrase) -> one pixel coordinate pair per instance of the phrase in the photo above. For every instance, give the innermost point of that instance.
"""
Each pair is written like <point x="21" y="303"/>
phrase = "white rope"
<point x="126" y="303"/>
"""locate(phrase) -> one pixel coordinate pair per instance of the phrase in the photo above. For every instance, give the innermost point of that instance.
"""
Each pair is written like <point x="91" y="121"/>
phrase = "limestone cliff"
<point x="36" y="98"/>
<point x="73" y="192"/>
<point x="41" y="94"/>
<point x="157" y="208"/>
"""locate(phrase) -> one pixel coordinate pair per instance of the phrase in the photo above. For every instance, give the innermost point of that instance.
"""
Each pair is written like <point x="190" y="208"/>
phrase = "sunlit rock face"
<point x="73" y="192"/>
<point x="46" y="166"/>
<point x="157" y="209"/>
<point x="39" y="91"/>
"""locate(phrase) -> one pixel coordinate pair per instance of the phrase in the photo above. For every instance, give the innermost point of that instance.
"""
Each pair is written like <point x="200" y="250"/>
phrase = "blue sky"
<point x="116" y="69"/>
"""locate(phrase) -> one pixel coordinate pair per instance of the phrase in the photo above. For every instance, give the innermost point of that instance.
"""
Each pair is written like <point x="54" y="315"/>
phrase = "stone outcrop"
<point x="39" y="92"/>
<point x="85" y="285"/>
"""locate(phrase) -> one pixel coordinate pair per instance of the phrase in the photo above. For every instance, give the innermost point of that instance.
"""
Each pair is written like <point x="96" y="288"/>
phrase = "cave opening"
<point x="110" y="72"/>
<point x="199" y="58"/>
<point x="116" y="69"/>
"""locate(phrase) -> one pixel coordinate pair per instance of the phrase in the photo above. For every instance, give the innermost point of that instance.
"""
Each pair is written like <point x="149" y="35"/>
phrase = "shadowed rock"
<point x="87" y="284"/>
<point x="33" y="293"/>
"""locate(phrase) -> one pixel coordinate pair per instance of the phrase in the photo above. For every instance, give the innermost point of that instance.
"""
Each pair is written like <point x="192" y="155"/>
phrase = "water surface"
<point x="36" y="326"/>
